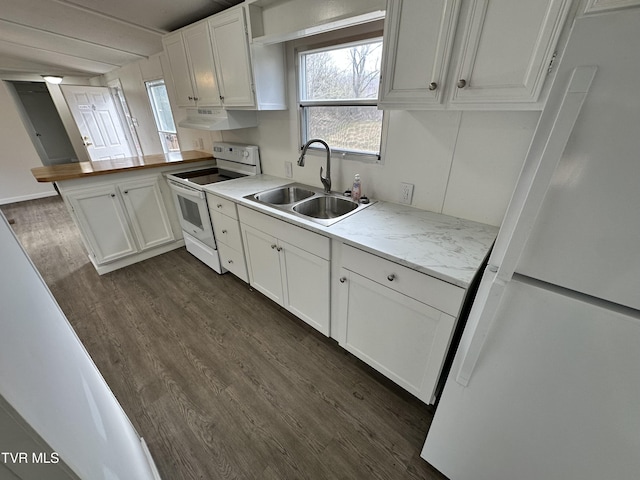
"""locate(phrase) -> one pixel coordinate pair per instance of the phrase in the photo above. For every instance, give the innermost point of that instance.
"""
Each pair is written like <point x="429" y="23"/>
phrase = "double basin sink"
<point x="308" y="202"/>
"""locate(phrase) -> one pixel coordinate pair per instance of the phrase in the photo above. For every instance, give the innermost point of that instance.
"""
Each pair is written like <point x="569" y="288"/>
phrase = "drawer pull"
<point x="219" y="205"/>
<point x="230" y="262"/>
<point x="273" y="247"/>
<point x="343" y="279"/>
<point x="224" y="231"/>
<point x="279" y="249"/>
<point x="391" y="277"/>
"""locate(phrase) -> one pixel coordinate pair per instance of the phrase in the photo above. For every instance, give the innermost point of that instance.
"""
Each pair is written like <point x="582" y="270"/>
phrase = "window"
<point x="162" y="113"/>
<point x="338" y="93"/>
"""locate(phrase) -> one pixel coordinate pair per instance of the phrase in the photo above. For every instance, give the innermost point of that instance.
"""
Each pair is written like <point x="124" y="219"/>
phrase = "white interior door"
<point x="95" y="113"/>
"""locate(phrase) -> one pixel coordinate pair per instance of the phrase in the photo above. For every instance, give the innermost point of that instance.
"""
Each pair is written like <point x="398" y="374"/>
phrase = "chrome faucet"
<point x="326" y="180"/>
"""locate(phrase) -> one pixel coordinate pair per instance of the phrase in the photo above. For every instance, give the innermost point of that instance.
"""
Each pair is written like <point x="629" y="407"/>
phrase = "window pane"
<point x="162" y="113"/>
<point x="343" y="73"/>
<point x="356" y="129"/>
<point x="160" y="103"/>
<point x="170" y="141"/>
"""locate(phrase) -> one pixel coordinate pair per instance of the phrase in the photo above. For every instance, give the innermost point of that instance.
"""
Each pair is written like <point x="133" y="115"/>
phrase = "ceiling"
<point x="90" y="37"/>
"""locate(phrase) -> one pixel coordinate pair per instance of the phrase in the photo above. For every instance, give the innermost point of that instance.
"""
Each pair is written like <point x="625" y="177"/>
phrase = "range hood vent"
<point x="219" y="119"/>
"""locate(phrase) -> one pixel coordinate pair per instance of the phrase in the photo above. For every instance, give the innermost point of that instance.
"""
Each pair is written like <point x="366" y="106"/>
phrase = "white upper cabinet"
<point x="232" y="57"/>
<point x="500" y="51"/>
<point x="203" y="72"/>
<point x="213" y="64"/>
<point x="191" y="60"/>
<point x="506" y="50"/>
<point x="418" y="40"/>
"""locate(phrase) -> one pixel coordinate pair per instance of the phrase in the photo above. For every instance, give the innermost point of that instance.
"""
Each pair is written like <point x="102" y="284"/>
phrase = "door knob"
<point x="462" y="83"/>
<point x="433" y="86"/>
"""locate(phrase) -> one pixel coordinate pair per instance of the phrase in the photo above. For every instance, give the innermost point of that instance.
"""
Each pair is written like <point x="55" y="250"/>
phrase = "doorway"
<point x="98" y="120"/>
<point x="43" y="123"/>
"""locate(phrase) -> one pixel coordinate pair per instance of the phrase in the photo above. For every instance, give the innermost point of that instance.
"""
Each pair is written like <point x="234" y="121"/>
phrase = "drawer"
<point x="429" y="290"/>
<point x="304" y="239"/>
<point x="227" y="230"/>
<point x="233" y="260"/>
<point x="222" y="205"/>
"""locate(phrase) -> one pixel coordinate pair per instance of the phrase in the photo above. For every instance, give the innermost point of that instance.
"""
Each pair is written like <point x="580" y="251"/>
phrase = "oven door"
<point x="191" y="205"/>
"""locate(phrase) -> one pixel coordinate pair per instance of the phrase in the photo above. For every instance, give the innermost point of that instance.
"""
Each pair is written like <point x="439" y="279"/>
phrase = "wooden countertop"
<point x="68" y="171"/>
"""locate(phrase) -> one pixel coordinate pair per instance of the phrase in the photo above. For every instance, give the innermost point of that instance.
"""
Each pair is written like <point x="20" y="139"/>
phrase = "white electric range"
<point x="233" y="160"/>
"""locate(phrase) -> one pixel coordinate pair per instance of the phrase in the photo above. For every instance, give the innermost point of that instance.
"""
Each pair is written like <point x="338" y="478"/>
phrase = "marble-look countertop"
<point x="449" y="248"/>
<point x="68" y="171"/>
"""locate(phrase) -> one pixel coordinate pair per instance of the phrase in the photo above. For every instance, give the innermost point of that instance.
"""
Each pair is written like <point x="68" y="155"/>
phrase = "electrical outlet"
<point x="288" y="169"/>
<point x="406" y="193"/>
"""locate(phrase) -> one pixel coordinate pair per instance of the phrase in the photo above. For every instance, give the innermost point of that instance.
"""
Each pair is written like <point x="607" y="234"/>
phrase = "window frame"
<point x="337" y="44"/>
<point x="148" y="84"/>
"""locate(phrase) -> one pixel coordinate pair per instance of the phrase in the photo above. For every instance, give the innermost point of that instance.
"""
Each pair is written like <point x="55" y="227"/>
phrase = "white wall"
<point x="17" y="156"/>
<point x="132" y="80"/>
<point x="462" y="163"/>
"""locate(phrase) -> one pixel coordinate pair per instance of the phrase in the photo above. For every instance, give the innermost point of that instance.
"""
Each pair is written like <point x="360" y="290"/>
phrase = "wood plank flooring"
<point x="221" y="382"/>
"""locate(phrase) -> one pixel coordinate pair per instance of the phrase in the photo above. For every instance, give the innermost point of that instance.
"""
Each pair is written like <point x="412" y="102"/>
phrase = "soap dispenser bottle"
<point x="356" y="189"/>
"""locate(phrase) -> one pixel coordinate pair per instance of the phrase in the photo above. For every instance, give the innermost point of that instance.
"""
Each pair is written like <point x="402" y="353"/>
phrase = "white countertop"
<point x="449" y="248"/>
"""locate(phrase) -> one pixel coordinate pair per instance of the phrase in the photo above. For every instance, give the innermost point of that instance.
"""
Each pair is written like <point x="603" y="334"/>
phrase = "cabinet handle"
<point x="195" y="98"/>
<point x="230" y="262"/>
<point x="113" y="195"/>
<point x="433" y="86"/>
<point x="343" y="279"/>
<point x="126" y="191"/>
<point x="190" y="98"/>
<point x="462" y="83"/>
<point x="279" y="249"/>
<point x="391" y="277"/>
<point x="224" y="231"/>
<point x="273" y="246"/>
<point x="221" y="98"/>
<point x="219" y="205"/>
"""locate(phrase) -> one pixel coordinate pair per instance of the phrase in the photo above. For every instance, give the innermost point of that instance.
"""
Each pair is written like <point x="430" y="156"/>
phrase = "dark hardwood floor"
<point x="221" y="382"/>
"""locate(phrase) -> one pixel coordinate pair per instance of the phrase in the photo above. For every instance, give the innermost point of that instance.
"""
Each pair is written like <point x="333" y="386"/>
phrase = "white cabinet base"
<point x="125" y="262"/>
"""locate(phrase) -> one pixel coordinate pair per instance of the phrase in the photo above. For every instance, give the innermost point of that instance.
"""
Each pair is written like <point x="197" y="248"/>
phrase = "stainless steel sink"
<point x="325" y="207"/>
<point x="284" y="195"/>
<point x="308" y="202"/>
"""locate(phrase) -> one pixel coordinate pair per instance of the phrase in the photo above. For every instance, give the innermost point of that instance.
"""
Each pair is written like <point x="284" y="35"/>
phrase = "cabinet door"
<point x="506" y="51"/>
<point x="263" y="263"/>
<point x="147" y="212"/>
<point x="400" y="337"/>
<point x="231" y="52"/>
<point x="417" y="46"/>
<point x="102" y="219"/>
<point x="177" y="55"/>
<point x="199" y="52"/>
<point x="306" y="280"/>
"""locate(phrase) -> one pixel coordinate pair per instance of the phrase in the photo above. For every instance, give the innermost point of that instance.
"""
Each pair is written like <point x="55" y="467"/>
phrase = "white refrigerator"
<point x="546" y="381"/>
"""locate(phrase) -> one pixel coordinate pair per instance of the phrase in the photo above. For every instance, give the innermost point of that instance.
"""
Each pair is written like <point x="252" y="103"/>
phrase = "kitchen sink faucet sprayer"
<point x="326" y="180"/>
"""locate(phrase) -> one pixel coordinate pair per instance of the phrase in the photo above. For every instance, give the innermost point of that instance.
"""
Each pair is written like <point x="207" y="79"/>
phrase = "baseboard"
<point x="24" y="198"/>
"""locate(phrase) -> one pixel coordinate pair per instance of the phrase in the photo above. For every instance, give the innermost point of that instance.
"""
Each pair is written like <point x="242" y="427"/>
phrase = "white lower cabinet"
<point x="226" y="228"/>
<point x="118" y="220"/>
<point x="388" y="318"/>
<point x="288" y="264"/>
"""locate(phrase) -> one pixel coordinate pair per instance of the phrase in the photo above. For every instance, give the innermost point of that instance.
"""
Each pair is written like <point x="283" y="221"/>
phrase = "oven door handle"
<point x="185" y="190"/>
